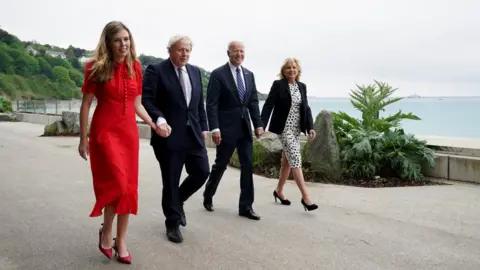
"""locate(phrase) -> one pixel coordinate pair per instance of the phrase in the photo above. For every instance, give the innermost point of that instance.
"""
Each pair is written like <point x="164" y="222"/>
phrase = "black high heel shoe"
<point x="309" y="207"/>
<point x="283" y="201"/>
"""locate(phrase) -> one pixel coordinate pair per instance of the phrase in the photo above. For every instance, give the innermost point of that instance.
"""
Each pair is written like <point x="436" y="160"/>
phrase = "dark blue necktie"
<point x="240" y="86"/>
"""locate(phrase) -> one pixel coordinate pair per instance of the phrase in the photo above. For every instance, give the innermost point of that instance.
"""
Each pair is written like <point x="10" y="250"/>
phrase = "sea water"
<point x="440" y="116"/>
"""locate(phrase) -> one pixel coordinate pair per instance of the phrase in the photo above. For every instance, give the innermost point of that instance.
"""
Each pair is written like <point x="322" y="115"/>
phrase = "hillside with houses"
<point x="30" y="70"/>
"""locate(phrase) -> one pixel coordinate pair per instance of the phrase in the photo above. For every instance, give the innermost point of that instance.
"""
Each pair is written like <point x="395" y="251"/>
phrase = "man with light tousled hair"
<point x="173" y="97"/>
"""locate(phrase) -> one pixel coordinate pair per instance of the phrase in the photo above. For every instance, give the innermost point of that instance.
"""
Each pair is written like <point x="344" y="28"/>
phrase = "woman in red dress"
<point x="114" y="78"/>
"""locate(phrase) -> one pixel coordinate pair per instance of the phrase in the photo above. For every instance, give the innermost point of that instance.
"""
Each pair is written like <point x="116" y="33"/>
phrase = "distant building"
<point x="84" y="59"/>
<point x="56" y="54"/>
<point x="32" y="51"/>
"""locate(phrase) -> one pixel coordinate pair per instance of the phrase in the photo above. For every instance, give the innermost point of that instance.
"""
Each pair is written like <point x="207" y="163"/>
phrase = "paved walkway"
<point x="46" y="196"/>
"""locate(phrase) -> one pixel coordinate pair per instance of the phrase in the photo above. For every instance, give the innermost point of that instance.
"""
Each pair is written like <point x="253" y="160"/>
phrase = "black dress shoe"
<point x="174" y="235"/>
<point x="208" y="205"/>
<point x="183" y="219"/>
<point x="249" y="214"/>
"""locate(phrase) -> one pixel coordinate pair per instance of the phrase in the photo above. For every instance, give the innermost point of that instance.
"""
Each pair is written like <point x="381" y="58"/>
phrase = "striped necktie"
<point x="240" y="86"/>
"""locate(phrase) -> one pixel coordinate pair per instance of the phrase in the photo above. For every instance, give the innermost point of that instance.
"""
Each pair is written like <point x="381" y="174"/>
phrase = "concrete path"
<point x="46" y="196"/>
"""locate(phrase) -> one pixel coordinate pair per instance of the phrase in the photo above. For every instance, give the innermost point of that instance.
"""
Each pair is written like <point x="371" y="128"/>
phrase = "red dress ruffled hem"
<point x="114" y="140"/>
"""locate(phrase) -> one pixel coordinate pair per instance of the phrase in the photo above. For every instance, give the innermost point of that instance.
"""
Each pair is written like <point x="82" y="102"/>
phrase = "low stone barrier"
<point x="452" y="163"/>
<point x="42" y="119"/>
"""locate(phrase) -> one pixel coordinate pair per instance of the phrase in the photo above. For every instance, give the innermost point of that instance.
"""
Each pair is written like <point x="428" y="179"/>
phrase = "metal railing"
<point x="56" y="107"/>
<point x="52" y="107"/>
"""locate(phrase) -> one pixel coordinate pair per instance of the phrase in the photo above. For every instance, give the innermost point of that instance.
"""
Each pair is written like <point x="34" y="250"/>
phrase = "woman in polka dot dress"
<point x="291" y="116"/>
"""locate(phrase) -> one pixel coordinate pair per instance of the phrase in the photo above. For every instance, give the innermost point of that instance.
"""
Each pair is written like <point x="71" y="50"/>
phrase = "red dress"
<point x="114" y="141"/>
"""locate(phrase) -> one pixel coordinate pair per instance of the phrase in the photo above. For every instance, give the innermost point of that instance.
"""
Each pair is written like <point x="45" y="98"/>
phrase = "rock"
<point x="271" y="147"/>
<point x="267" y="154"/>
<point x="7" y="117"/>
<point x="270" y="142"/>
<point x="72" y="121"/>
<point x="323" y="152"/>
<point x="57" y="128"/>
<point x="68" y="126"/>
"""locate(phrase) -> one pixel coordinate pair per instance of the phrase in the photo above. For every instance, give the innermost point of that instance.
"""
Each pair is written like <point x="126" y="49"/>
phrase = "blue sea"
<point x="440" y="116"/>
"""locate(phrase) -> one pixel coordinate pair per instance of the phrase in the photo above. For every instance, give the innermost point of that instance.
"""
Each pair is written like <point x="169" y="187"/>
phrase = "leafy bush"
<point x="377" y="146"/>
<point x="5" y="105"/>
<point x="265" y="162"/>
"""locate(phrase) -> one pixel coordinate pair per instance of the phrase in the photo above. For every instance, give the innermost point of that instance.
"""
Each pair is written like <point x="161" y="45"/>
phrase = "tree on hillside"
<point x="24" y="73"/>
<point x="61" y="75"/>
<point x="26" y="65"/>
<point x="148" y="60"/>
<point x="45" y="67"/>
<point x="76" y="76"/>
<point x="6" y="63"/>
<point x="55" y="61"/>
<point x="10" y="40"/>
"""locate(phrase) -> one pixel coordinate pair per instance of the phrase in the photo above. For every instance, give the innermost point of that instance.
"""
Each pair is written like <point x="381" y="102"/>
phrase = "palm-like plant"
<point x="372" y="99"/>
<point x="375" y="145"/>
<point x="403" y="155"/>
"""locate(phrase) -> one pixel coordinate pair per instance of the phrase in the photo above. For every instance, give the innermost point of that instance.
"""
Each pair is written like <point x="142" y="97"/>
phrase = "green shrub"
<point x="264" y="162"/>
<point x="377" y="146"/>
<point x="5" y="105"/>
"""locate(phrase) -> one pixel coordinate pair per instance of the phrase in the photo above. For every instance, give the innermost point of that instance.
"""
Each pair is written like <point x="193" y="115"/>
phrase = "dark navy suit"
<point x="233" y="117"/>
<point x="163" y="97"/>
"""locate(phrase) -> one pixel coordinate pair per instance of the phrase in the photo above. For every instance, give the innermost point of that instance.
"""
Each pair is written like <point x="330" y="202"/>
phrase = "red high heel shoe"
<point x="126" y="259"/>
<point x="106" y="251"/>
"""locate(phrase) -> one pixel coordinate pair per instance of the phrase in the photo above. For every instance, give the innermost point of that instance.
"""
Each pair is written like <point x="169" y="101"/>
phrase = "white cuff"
<point x="161" y="121"/>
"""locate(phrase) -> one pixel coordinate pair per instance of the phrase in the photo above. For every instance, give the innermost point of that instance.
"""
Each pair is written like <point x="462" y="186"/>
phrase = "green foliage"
<point x="148" y="60"/>
<point x="6" y="63"/>
<point x="76" y="76"/>
<point x="57" y="77"/>
<point x="26" y="65"/>
<point x="265" y="162"/>
<point x="45" y="67"/>
<point x="18" y="87"/>
<point x="377" y="146"/>
<point x="61" y="75"/>
<point x="24" y="74"/>
<point x="11" y="40"/>
<point x="5" y="105"/>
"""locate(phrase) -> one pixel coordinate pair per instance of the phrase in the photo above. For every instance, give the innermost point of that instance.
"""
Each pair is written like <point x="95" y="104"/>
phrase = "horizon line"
<point x="347" y="97"/>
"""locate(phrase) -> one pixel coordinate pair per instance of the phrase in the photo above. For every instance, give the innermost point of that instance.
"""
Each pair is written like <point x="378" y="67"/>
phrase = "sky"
<point x="427" y="47"/>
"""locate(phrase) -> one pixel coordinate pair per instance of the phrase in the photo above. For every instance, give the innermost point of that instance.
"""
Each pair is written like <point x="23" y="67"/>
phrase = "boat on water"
<point x="414" y="96"/>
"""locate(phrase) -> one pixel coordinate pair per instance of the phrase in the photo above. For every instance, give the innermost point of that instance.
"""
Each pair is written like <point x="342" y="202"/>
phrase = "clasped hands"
<point x="162" y="130"/>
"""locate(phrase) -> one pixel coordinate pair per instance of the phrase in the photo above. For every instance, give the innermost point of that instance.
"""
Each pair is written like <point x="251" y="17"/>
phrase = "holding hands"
<point x="162" y="130"/>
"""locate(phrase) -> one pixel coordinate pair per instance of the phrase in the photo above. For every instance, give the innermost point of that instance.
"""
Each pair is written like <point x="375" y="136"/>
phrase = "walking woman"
<point x="114" y="78"/>
<point x="291" y="116"/>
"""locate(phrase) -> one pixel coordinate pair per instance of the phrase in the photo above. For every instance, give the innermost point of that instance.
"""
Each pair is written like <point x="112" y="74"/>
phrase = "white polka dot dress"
<point x="290" y="136"/>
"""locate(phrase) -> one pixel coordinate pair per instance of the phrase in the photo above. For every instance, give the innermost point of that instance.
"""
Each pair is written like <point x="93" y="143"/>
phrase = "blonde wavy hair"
<point x="292" y="61"/>
<point x="101" y="70"/>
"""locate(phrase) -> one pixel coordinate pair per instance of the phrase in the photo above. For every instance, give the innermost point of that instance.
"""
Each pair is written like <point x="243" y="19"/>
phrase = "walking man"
<point x="172" y="95"/>
<point x="232" y="106"/>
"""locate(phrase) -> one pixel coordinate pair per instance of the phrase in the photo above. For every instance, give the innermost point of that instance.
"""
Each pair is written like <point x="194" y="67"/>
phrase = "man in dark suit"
<point x="231" y="102"/>
<point x="172" y="95"/>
